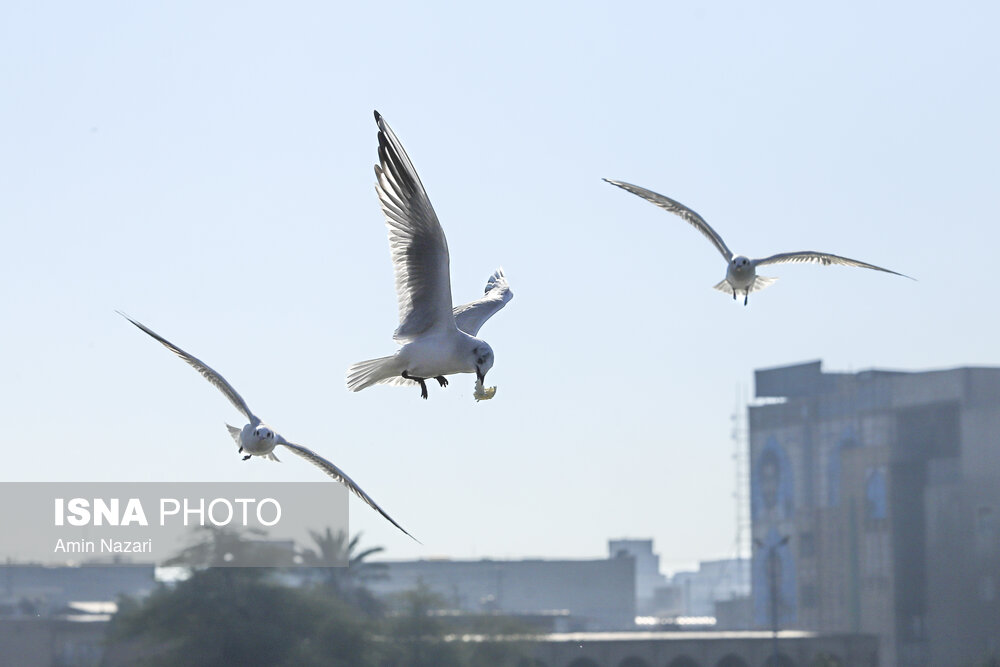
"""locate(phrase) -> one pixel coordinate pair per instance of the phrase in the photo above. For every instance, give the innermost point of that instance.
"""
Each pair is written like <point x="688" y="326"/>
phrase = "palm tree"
<point x="348" y="582"/>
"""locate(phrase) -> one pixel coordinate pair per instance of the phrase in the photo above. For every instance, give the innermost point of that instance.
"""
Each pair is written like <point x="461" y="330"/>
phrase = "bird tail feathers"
<point x="760" y="282"/>
<point x="384" y="370"/>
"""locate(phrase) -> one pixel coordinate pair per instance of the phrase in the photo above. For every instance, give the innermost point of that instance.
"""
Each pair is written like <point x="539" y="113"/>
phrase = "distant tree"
<point x="221" y="616"/>
<point x="237" y="616"/>
<point x="499" y="640"/>
<point x="419" y="635"/>
<point x="350" y="583"/>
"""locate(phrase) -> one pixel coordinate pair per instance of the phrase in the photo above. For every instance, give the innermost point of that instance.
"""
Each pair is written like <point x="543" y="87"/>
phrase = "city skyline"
<point x="209" y="170"/>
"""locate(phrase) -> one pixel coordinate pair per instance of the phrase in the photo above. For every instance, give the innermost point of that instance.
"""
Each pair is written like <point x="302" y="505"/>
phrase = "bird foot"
<point x="745" y="297"/>
<point x="442" y="380"/>
<point x="247" y="457"/>
<point x="420" y="381"/>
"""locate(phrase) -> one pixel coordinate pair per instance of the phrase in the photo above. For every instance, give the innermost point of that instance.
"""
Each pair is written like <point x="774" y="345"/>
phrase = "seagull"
<point x="437" y="339"/>
<point x="257" y="438"/>
<point x="741" y="274"/>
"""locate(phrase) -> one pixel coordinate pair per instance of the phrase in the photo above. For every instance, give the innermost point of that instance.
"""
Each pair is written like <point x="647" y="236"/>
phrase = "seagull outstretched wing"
<point x="417" y="242"/>
<point x="825" y="258"/>
<point x="339" y="475"/>
<point x="668" y="204"/>
<point x="470" y="317"/>
<point x="206" y="371"/>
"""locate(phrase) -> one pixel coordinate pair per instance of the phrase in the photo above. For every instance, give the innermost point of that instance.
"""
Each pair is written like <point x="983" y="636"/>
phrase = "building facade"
<point x="647" y="570"/>
<point x="587" y="594"/>
<point x="713" y="582"/>
<point x="875" y="503"/>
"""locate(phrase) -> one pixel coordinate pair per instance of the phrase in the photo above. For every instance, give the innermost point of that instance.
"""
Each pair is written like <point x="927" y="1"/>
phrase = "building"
<point x="875" y="504"/>
<point x="713" y="582"/>
<point x="42" y="590"/>
<point x="59" y="615"/>
<point x="686" y="593"/>
<point x="647" y="570"/>
<point x="586" y="594"/>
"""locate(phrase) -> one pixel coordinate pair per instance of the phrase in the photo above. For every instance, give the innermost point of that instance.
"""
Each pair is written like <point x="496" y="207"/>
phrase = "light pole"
<point x="773" y="566"/>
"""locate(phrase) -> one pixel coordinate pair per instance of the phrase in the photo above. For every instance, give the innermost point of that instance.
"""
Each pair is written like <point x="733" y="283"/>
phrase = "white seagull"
<point x="257" y="438"/>
<point x="437" y="340"/>
<point x="741" y="274"/>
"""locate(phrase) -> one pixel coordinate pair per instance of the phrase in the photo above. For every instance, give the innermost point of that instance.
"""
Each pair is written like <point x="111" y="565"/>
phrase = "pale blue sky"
<point x="207" y="168"/>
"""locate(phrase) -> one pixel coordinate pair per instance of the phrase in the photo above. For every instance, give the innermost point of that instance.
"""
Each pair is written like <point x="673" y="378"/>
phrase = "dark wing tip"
<point x="378" y="117"/>
<point x="139" y="325"/>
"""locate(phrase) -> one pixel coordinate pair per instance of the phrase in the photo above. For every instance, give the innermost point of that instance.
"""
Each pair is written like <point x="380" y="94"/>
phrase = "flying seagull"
<point x="437" y="340"/>
<point x="741" y="274"/>
<point x="257" y="438"/>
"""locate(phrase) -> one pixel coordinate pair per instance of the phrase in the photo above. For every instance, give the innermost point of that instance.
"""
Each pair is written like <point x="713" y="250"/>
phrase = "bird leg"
<point x="442" y="380"/>
<point x="420" y="381"/>
<point x="746" y="295"/>
<point x="734" y="294"/>
<point x="247" y="457"/>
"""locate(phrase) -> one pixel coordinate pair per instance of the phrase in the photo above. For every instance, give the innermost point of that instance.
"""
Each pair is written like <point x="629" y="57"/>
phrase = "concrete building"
<point x="687" y="593"/>
<point x="875" y="504"/>
<point x="714" y="581"/>
<point x="587" y="594"/>
<point x="647" y="571"/>
<point x="44" y="590"/>
<point x="59" y="615"/>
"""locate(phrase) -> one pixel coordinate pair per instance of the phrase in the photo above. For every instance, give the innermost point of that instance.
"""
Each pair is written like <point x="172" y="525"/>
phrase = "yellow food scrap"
<point x="482" y="393"/>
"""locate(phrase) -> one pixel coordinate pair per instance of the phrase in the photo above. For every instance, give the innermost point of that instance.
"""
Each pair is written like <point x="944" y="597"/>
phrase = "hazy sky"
<point x="207" y="168"/>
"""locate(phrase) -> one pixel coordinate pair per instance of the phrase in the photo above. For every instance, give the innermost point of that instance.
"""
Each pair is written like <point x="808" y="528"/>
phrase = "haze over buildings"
<point x="886" y="485"/>
<point x="874" y="504"/>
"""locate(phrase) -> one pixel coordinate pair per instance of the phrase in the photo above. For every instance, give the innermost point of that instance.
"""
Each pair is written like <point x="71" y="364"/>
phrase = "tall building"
<point x="875" y="505"/>
<point x="647" y="570"/>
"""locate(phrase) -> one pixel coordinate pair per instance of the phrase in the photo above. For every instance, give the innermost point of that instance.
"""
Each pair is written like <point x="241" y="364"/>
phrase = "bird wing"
<point x="339" y="475"/>
<point x="668" y="204"/>
<point x="417" y="242"/>
<point x="206" y="371"/>
<point x="470" y="317"/>
<point x="824" y="258"/>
